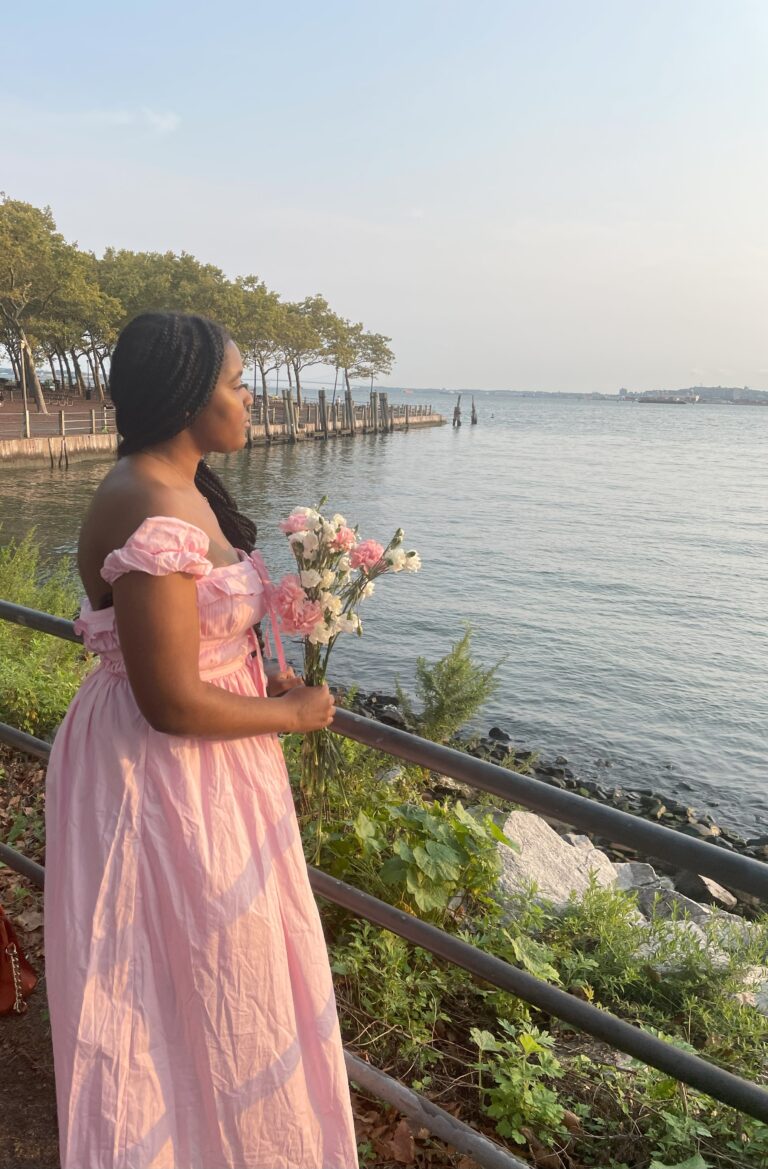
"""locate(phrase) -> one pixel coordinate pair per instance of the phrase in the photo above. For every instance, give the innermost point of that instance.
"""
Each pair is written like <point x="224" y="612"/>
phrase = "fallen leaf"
<point x="403" y="1148"/>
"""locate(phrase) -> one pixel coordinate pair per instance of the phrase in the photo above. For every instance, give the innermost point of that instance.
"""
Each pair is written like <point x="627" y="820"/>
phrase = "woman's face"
<point x="220" y="426"/>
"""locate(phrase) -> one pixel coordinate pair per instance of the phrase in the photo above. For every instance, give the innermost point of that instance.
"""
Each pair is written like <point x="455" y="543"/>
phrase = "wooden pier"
<point x="78" y="431"/>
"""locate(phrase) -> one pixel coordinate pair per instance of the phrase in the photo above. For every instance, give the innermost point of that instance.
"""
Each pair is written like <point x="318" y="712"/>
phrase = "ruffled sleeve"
<point x="161" y="545"/>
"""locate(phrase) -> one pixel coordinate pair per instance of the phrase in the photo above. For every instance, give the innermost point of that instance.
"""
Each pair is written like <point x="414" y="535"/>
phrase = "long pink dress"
<point x="192" y="1008"/>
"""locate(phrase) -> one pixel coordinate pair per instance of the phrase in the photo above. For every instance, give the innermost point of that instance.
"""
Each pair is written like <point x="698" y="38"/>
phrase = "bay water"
<point x="612" y="556"/>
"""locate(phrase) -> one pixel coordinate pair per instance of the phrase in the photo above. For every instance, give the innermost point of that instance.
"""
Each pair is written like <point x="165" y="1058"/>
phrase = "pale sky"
<point x="550" y="194"/>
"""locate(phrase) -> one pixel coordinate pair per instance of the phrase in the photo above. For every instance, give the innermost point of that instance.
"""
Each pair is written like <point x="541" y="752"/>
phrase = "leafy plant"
<point x="521" y="1065"/>
<point x="451" y="691"/>
<point x="39" y="674"/>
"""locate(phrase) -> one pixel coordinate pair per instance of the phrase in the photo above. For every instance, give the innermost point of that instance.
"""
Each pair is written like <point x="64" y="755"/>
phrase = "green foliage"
<point x="39" y="674"/>
<point x="431" y="859"/>
<point x="451" y="691"/>
<point x="521" y="1067"/>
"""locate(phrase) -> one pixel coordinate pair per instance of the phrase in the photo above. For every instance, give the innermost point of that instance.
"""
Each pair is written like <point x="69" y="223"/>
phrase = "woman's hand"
<point x="281" y="681"/>
<point x="308" y="708"/>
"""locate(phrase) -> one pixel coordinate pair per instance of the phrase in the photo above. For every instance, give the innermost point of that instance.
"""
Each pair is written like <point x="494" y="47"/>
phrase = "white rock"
<point x="631" y="875"/>
<point x="670" y="933"/>
<point x="556" y="868"/>
<point x="666" y="903"/>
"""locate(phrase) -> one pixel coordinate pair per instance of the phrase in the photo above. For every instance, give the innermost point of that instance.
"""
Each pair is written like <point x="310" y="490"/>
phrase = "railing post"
<point x="25" y="430"/>
<point x="93" y="421"/>
<point x="62" y="424"/>
<point x="106" y="422"/>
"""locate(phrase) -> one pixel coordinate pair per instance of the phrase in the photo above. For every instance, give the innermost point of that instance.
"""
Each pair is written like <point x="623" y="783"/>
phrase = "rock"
<point x="702" y="831"/>
<point x="561" y="761"/>
<point x="556" y="868"/>
<point x="633" y="875"/>
<point x="497" y="733"/>
<point x="669" y="935"/>
<point x="655" y="902"/>
<point x="447" y="783"/>
<point x="390" y="776"/>
<point x="392" y="716"/>
<point x="704" y="890"/>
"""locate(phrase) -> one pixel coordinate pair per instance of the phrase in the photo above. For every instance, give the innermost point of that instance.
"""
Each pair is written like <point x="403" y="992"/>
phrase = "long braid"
<point x="163" y="371"/>
<point x="238" y="528"/>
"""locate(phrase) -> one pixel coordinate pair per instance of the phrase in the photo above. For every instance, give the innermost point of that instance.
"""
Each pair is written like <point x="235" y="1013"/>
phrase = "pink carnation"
<point x="366" y="555"/>
<point x="343" y="540"/>
<point x="296" y="522"/>
<point x="297" y="613"/>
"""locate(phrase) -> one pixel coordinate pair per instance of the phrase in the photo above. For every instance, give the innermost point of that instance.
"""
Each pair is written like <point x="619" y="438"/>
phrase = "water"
<point x="614" y="555"/>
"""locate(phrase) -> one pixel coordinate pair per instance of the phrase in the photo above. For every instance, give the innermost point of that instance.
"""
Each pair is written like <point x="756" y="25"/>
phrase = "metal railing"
<point x="57" y="423"/>
<point x="739" y="872"/>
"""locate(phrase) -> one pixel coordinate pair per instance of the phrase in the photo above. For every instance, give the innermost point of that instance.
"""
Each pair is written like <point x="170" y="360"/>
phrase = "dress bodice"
<point x="231" y="598"/>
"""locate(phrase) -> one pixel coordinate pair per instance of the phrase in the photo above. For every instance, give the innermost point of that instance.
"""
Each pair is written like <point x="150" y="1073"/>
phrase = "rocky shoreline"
<point x="497" y="746"/>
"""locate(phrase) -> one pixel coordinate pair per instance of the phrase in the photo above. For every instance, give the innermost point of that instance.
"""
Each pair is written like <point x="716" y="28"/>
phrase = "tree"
<point x="303" y="327"/>
<point x="32" y="269"/>
<point x="257" y="323"/>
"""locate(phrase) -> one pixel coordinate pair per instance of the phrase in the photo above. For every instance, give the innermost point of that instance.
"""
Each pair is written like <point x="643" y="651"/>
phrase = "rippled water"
<point x="615" y="554"/>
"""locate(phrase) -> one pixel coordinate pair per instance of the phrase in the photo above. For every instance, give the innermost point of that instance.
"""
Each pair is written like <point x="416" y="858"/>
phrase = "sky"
<point x="552" y="194"/>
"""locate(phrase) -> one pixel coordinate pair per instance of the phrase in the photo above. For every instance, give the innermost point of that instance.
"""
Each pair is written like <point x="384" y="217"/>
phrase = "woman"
<point x="192" y="1009"/>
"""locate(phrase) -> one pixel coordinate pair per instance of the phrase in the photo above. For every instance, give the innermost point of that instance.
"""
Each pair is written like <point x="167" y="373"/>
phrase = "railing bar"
<point x="687" y="1068"/>
<point x="739" y="872"/>
<point x="681" y="1065"/>
<point x="21" y="741"/>
<point x="42" y="622"/>
<point x="22" y="864"/>
<point x="423" y="1112"/>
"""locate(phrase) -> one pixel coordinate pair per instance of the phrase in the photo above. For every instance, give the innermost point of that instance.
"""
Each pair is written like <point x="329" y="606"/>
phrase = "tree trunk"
<point x="84" y="390"/>
<point x="14" y="356"/>
<point x="33" y="381"/>
<point x="100" y="358"/>
<point x="265" y="402"/>
<point x="94" y="374"/>
<point x="298" y="388"/>
<point x="72" y="383"/>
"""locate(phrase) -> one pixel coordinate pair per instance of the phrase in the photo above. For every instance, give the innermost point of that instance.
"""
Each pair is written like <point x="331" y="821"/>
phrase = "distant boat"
<point x="473" y="418"/>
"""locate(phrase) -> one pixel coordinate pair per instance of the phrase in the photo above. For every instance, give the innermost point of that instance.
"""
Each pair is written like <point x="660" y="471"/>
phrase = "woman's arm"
<point x="158" y="625"/>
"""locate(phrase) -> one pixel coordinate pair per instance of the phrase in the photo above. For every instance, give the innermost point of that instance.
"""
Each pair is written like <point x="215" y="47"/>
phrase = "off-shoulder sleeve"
<point x="161" y="545"/>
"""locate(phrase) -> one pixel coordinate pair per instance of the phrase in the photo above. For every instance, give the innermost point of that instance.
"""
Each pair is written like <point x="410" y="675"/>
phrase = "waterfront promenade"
<point x="76" y="428"/>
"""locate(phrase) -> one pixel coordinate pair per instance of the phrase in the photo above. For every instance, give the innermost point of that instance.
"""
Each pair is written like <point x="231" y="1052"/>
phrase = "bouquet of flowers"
<point x="336" y="572"/>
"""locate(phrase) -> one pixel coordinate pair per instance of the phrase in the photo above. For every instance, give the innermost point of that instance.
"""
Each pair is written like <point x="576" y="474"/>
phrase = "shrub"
<point x="39" y="674"/>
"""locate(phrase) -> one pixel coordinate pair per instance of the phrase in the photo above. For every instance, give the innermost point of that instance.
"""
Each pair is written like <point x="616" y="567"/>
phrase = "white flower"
<point x="310" y="513"/>
<point x="412" y="562"/>
<point x="310" y="578"/>
<point x="338" y="521"/>
<point x="368" y="590"/>
<point x="326" y="531"/>
<point x="331" y="604"/>
<point x="308" y="541"/>
<point x="321" y="634"/>
<point x="343" y="567"/>
<point x="328" y="578"/>
<point x="395" y="558"/>
<point x="348" y="623"/>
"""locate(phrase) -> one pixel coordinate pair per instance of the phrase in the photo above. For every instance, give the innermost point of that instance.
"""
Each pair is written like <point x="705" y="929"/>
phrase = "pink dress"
<point x="192" y="1008"/>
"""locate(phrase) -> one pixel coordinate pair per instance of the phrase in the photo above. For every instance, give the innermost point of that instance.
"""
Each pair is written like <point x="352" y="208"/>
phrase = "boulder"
<point x="704" y="890"/>
<point x="634" y="875"/>
<point x="662" y="949"/>
<point x="657" y="902"/>
<point x="556" y="868"/>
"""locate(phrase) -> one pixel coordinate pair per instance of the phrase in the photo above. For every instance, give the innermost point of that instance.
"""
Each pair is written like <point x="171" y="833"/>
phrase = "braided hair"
<point x="162" y="374"/>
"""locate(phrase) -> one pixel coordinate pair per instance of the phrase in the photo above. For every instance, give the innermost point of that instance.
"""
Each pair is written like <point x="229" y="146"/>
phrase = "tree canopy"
<point x="65" y="307"/>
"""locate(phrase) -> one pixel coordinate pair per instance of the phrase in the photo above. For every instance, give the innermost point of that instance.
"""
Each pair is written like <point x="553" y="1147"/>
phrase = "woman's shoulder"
<point x="131" y="510"/>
